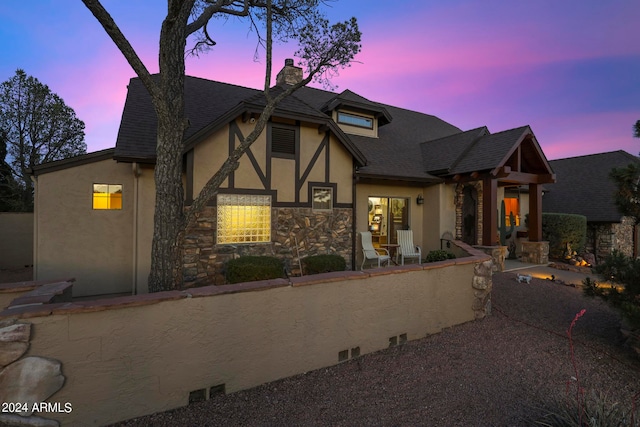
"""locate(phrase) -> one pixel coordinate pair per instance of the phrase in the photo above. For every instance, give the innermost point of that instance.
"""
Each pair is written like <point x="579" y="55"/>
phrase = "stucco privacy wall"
<point x="96" y="245"/>
<point x="16" y="239"/>
<point x="137" y="355"/>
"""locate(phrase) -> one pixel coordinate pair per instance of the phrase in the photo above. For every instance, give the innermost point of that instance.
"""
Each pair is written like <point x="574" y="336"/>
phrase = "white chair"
<point x="371" y="253"/>
<point x="407" y="249"/>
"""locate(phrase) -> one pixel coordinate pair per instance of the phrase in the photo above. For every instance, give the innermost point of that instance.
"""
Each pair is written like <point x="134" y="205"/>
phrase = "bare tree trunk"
<point x="168" y="224"/>
<point x="169" y="217"/>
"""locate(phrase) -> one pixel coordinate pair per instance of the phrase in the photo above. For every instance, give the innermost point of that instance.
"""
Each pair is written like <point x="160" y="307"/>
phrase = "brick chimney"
<point x="290" y="74"/>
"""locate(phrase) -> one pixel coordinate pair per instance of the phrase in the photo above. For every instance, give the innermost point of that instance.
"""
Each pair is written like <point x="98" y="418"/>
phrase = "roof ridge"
<point x="597" y="154"/>
<point x="455" y="134"/>
<point x="483" y="131"/>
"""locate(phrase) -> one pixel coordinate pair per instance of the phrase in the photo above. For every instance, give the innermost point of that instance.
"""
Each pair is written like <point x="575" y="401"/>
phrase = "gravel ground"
<point x="505" y="370"/>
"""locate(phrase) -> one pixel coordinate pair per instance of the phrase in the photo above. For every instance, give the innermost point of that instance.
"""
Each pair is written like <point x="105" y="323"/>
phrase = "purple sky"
<point x="569" y="69"/>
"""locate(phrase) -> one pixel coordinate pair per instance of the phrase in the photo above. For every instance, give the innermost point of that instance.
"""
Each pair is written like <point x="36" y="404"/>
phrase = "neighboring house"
<point x="584" y="188"/>
<point x="327" y="166"/>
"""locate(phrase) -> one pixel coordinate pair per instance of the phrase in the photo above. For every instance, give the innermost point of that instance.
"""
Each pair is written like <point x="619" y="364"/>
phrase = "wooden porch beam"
<point x="525" y="178"/>
<point x="535" y="213"/>
<point x="489" y="212"/>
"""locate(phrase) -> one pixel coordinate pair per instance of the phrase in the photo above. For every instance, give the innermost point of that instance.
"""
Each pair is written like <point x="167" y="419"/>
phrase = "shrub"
<point x="323" y="264"/>
<point x="438" y="255"/>
<point x="618" y="268"/>
<point x="564" y="231"/>
<point x="251" y="268"/>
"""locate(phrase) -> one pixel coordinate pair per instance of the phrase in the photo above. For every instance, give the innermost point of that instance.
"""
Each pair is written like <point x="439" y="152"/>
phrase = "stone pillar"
<point x="498" y="255"/>
<point x="482" y="285"/>
<point x="535" y="213"/>
<point x="535" y="252"/>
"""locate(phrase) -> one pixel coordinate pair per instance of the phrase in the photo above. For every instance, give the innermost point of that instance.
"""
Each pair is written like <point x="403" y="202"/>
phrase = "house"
<point x="327" y="166"/>
<point x="584" y="188"/>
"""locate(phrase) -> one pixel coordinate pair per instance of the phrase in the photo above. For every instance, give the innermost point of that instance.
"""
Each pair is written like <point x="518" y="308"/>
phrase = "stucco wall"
<point x="141" y="354"/>
<point x="16" y="239"/>
<point x="439" y="215"/>
<point x="74" y="240"/>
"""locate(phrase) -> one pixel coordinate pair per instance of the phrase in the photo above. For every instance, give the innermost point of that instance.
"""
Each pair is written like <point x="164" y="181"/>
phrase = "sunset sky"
<point x="569" y="69"/>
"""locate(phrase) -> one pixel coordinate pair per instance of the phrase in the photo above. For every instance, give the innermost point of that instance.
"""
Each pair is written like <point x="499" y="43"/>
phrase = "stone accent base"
<point x="535" y="252"/>
<point x="316" y="233"/>
<point x="482" y="285"/>
<point x="498" y="254"/>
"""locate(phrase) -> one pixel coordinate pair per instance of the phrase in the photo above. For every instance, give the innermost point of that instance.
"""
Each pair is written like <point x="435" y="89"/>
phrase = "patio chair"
<point x="371" y="253"/>
<point x="407" y="249"/>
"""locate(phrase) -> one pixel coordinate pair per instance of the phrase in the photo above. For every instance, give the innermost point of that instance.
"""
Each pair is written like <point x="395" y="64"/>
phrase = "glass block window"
<point x="107" y="196"/>
<point x="244" y="218"/>
<point x="322" y="198"/>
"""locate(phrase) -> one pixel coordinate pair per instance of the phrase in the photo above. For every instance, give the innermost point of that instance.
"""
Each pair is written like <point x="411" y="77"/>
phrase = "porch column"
<point x="535" y="212"/>
<point x="489" y="212"/>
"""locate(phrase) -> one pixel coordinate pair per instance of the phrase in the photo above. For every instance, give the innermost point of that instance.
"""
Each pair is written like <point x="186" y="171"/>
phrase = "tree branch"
<point x="123" y="44"/>
<point x="209" y="11"/>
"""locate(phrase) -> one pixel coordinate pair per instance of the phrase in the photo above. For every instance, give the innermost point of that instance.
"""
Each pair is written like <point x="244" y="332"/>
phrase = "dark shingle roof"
<point x="409" y="146"/>
<point x="583" y="186"/>
<point x="205" y="100"/>
<point x="441" y="155"/>
<point x="490" y="150"/>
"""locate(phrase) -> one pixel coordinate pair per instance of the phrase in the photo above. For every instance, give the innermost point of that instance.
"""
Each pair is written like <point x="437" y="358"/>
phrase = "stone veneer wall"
<point x="459" y="201"/>
<point x="602" y="239"/>
<point x="316" y="233"/>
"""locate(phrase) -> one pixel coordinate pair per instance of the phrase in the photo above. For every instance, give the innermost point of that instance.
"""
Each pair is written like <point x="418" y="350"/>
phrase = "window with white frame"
<point x="322" y="198"/>
<point x="355" y="120"/>
<point x="244" y="218"/>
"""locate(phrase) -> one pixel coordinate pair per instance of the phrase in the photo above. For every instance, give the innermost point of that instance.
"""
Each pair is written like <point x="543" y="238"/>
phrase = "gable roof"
<point x="583" y="186"/>
<point x="356" y="102"/>
<point x="411" y="146"/>
<point x="441" y="155"/>
<point x="208" y="106"/>
<point x="513" y="154"/>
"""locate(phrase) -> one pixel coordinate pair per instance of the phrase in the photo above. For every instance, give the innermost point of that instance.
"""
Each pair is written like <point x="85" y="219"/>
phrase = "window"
<point x="354" y="120"/>
<point x="322" y="198"/>
<point x="283" y="141"/>
<point x="244" y="218"/>
<point x="107" y="196"/>
<point x="386" y="216"/>
<point x="512" y="205"/>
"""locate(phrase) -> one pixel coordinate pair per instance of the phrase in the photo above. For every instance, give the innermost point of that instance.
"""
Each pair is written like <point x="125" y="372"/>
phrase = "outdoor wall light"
<point x="420" y="199"/>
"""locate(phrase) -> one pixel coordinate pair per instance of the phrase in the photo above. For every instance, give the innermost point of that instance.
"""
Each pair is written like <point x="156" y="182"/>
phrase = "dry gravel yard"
<point x="501" y="371"/>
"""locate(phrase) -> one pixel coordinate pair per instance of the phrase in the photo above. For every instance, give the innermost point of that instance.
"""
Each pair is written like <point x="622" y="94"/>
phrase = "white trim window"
<point x="355" y="120"/>
<point x="243" y="218"/>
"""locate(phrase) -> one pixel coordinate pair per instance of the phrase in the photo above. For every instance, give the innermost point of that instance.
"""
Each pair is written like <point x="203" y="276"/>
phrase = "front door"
<point x="386" y="216"/>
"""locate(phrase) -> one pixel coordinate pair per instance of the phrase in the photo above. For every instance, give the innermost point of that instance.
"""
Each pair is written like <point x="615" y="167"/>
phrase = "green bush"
<point x="323" y="264"/>
<point x="621" y="269"/>
<point x="438" y="255"/>
<point x="561" y="230"/>
<point x="252" y="268"/>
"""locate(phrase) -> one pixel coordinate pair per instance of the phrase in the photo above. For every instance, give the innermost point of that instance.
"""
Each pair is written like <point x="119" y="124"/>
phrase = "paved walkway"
<point x="546" y="272"/>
